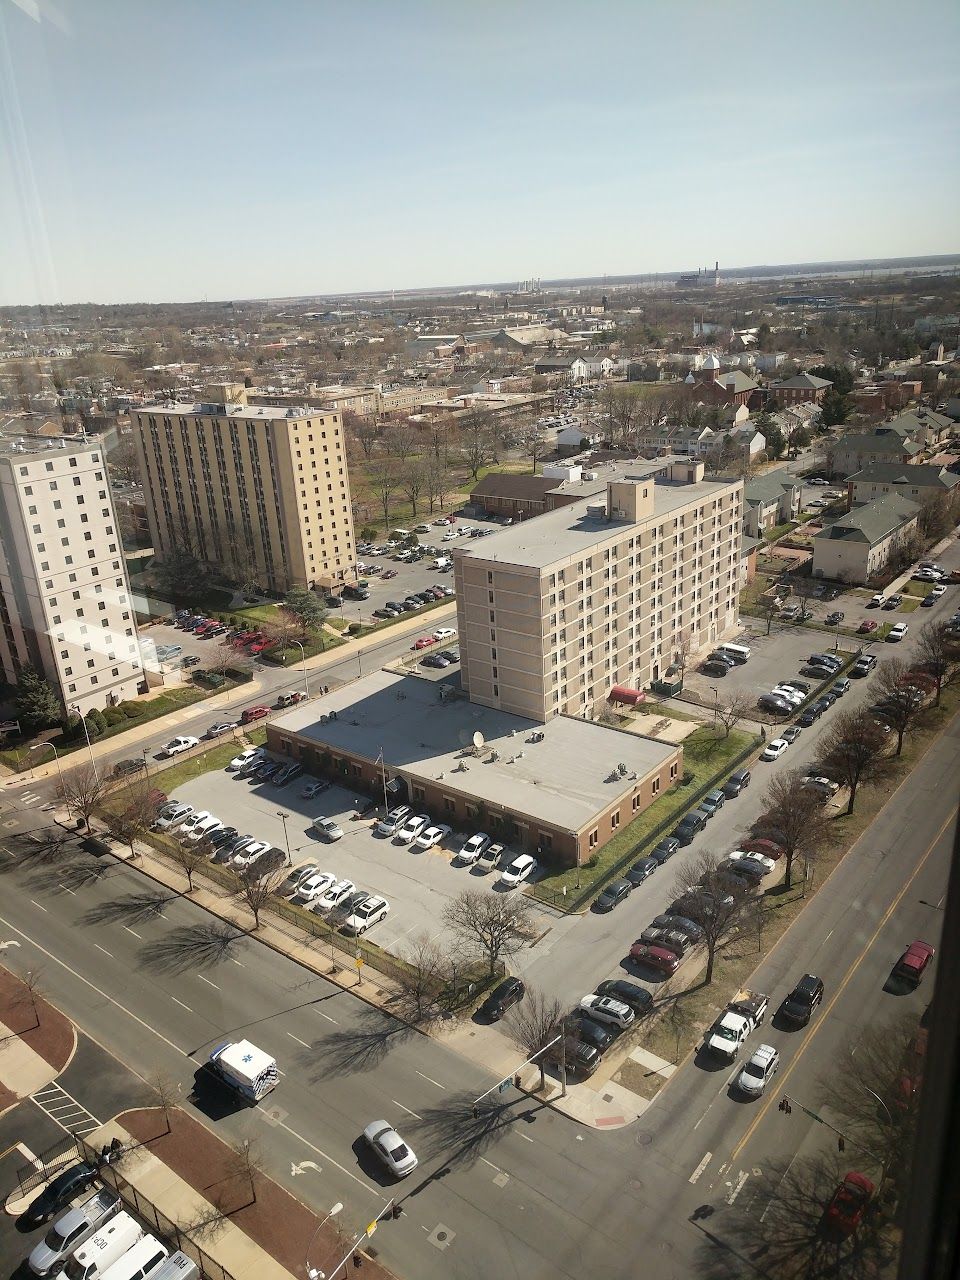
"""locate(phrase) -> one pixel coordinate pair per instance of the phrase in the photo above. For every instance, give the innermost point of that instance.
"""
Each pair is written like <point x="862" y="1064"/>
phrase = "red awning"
<point x="620" y="693"/>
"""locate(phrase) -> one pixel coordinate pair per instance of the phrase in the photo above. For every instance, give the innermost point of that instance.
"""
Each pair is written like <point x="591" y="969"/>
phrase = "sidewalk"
<point x="36" y="1041"/>
<point x="232" y="697"/>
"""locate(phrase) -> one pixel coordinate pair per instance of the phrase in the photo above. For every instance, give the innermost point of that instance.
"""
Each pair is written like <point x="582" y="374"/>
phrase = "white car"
<point x="775" y="749"/>
<point x="431" y="836"/>
<point x="793" y="696"/>
<point x="329" y="829"/>
<point x="172" y="816"/>
<point x="335" y="895"/>
<point x="817" y="480"/>
<point x="823" y="786"/>
<point x="389" y="1148"/>
<point x="876" y="602"/>
<point x="897" y="632"/>
<point x="444" y="633"/>
<point x="296" y="878"/>
<point x="606" y="1009"/>
<point x="761" y="859"/>
<point x="315" y="886"/>
<point x="936" y="592"/>
<point x="176" y="745"/>
<point x="450" y="536"/>
<point x="312" y="790"/>
<point x="247" y="754"/>
<point x="190" y="824"/>
<point x="411" y="828"/>
<point x="472" y="850"/>
<point x="369" y="911"/>
<point x="395" y="818"/>
<point x="520" y="869"/>
<point x="207" y="827"/>
<point x="815" y="504"/>
<point x="761" y="1067"/>
<point x="245" y="858"/>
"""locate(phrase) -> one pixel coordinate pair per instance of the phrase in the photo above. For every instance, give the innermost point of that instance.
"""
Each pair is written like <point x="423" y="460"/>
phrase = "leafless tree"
<point x="401" y="440"/>
<point x="476" y="440"/>
<point x="769" y="606"/>
<point x="729" y="714"/>
<point x="903" y="704"/>
<point x="938" y="654"/>
<point x="491" y="924"/>
<point x="533" y="443"/>
<point x="224" y="657"/>
<point x="81" y="791"/>
<point x="714" y="901"/>
<point x="384" y="477"/>
<point x="423" y="979"/>
<point x="240" y="566"/>
<point x="793" y="818"/>
<point x="255" y="891"/>
<point x="679" y="1019"/>
<point x="245" y="1162"/>
<point x="131" y="819"/>
<point x="413" y="479"/>
<point x="435" y="481"/>
<point x="363" y="430"/>
<point x="189" y="856"/>
<point x="853" y="751"/>
<point x="934" y="522"/>
<point x="32" y="982"/>
<point x="166" y="1092"/>
<point x="533" y="1024"/>
<point x="682" y="645"/>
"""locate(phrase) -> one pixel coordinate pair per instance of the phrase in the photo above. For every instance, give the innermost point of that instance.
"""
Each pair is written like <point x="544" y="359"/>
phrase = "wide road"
<point x="521" y="1190"/>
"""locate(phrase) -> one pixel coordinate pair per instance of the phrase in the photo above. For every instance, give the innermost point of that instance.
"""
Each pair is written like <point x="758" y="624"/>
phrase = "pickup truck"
<point x="742" y="1015"/>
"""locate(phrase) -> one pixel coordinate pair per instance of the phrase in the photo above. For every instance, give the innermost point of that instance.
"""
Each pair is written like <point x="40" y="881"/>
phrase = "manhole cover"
<point x="502" y="1179"/>
<point x="273" y="1115"/>
<point x="441" y="1237"/>
<point x="643" y="1138"/>
<point x="608" y="1097"/>
<point x="634" y="1184"/>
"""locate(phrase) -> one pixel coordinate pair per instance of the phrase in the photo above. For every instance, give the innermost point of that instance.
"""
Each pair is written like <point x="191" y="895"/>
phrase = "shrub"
<point x="113" y="715"/>
<point x="132" y="709"/>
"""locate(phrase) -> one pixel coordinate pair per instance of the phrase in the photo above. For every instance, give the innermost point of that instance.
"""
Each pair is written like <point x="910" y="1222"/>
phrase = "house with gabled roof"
<point x="862" y="542"/>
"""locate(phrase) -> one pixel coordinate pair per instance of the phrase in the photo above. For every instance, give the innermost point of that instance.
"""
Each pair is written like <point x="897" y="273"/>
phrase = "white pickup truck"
<point x="742" y="1015"/>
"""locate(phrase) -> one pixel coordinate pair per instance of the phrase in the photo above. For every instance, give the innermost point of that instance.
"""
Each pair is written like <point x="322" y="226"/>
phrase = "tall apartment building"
<point x="249" y="485"/>
<point x="555" y="611"/>
<point x="64" y="596"/>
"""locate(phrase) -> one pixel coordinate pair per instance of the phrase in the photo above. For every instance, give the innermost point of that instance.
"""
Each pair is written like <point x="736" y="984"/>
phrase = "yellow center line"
<point x="781" y="1084"/>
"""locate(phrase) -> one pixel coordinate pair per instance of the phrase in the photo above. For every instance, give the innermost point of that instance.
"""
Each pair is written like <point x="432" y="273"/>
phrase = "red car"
<point x="254" y="713"/>
<point x="867" y="625"/>
<point x="769" y="848"/>
<point x="659" y="958"/>
<point x="849" y="1203"/>
<point x="258" y="646"/>
<point x="423" y="643"/>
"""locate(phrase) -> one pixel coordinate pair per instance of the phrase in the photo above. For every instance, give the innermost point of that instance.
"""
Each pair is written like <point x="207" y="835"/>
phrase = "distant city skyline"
<point x="169" y="153"/>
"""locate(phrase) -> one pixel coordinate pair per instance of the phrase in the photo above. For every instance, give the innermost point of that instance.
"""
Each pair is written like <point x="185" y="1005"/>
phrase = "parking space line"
<point x="298" y="1040"/>
<point x="133" y="931"/>
<point x="406" y="1109"/>
<point x="37" y="904"/>
<point x="328" y="1018"/>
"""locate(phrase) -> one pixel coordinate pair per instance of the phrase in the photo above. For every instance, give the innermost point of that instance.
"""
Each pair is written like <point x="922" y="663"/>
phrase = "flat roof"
<point x="568" y="531"/>
<point x="208" y="409"/>
<point x="562" y="781"/>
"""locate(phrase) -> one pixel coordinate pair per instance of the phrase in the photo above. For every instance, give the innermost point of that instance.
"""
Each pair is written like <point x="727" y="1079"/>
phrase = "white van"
<point x="142" y="1260"/>
<point x="738" y="652"/>
<point x="102" y="1250"/>
<point x="442" y="562"/>
<point x="178" y="1267"/>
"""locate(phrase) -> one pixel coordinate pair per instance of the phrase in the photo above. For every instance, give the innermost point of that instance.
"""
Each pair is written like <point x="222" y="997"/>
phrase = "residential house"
<point x="733" y="387"/>
<point x="769" y="500"/>
<point x="560" y="366"/>
<point x="917" y="482"/>
<point x="922" y="425"/>
<point x="572" y="438"/>
<point x="747" y="439"/>
<point x="862" y="542"/>
<point x="852" y="453"/>
<point x="803" y="388"/>
<point x="768" y="361"/>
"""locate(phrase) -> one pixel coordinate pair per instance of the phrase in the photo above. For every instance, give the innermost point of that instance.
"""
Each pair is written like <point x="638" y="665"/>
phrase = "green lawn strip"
<point x="256" y="613"/>
<point x="778" y="530"/>
<point x="281" y="657"/>
<point x="908" y="604"/>
<point x="181" y="771"/>
<point x="740" y="957"/>
<point x="706" y="757"/>
<point x="918" y="589"/>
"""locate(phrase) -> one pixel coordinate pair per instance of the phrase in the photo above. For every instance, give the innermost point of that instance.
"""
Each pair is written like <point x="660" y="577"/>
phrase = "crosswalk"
<point x="65" y="1110"/>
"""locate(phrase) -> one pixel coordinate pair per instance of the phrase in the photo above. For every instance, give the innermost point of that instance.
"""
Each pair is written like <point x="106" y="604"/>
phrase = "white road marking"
<point x="208" y="982"/>
<point x="702" y="1118"/>
<point x="103" y="949"/>
<point x="306" y="1142"/>
<point x="406" y="1109"/>
<point x="328" y="1018"/>
<point x="133" y="931"/>
<point x="298" y="1040"/>
<point x="524" y="1137"/>
<point x="72" y="892"/>
<point x="700" y="1167"/>
<point x="37" y="904"/>
<point x="741" y="1180"/>
<point x="432" y="1081"/>
<point x="181" y="1004"/>
<point x="239" y="962"/>
<point x="491" y="1164"/>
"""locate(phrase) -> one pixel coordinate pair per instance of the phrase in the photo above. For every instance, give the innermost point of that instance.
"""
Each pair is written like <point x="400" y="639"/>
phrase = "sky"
<point x="170" y="150"/>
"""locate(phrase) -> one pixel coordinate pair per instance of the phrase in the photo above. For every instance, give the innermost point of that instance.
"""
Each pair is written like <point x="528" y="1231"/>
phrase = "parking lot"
<point x="778" y="656"/>
<point x="417" y="884"/>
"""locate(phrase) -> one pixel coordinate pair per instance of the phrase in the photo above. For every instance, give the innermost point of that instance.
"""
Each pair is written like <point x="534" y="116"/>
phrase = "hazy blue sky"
<point x="171" y="149"/>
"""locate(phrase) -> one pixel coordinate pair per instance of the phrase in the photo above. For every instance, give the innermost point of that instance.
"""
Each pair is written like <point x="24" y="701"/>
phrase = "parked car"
<point x="593" y="1033"/>
<point x="172" y="816"/>
<point x="897" y="632"/>
<point x="391" y="821"/>
<point x="774" y="703"/>
<point x="849" y="1203"/>
<point x="390" y="1149"/>
<point x="661" y="959"/>
<point x="665" y="849"/>
<point x="689" y="826"/>
<point x="834" y="619"/>
<point x="123" y="768"/>
<point x="791" y="733"/>
<point x="254" y="713"/>
<point x="176" y="745"/>
<point x="473" y="848"/>
<point x="689" y="928"/>
<point x="579" y="1059"/>
<point x="328" y="828"/>
<point x="863" y="666"/>
<point x="366" y="913"/>
<point x="637" y="998"/>
<point x="616" y="892"/>
<point x="641" y="871"/>
<point x="313" y="886"/>
<point x="866" y="626"/>
<point x="245" y="757"/>
<point x="606" y="1009"/>
<point x="738" y="781"/>
<point x="877" y="601"/>
<point x="295" y="878"/>
<point x="72" y="1230"/>
<point x="774" y="749"/>
<point x="520" y="869"/>
<point x="893" y="602"/>
<point x="799" y="1005"/>
<point x="431" y="835"/>
<point x="334" y="895"/>
<point x="716" y="670"/>
<point x="490" y="858"/>
<point x="411" y="828"/>
<point x="57" y="1193"/>
<point x="503" y="997"/>
<point x="765" y="863"/>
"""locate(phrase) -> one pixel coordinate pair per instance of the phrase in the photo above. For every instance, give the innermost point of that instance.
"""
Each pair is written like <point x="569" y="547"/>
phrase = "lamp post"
<point x="286" y="838"/>
<point x="303" y="658"/>
<point x="716" y="704"/>
<point x="312" y="1272"/>
<point x="383" y="779"/>
<point x="93" y="761"/>
<point x="146" y="767"/>
<point x="38" y="746"/>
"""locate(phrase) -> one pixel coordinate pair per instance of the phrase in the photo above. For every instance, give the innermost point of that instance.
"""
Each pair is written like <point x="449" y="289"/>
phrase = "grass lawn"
<point x="182" y="771"/>
<point x="778" y="531"/>
<point x="707" y="757"/>
<point x="256" y="613"/>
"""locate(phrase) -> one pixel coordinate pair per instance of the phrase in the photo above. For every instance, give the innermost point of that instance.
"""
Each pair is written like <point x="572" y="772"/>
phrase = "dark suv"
<point x="510" y="992"/>
<point x="64" y="1188"/>
<point x="802" y="1001"/>
<point x="738" y="781"/>
<point x="689" y="826"/>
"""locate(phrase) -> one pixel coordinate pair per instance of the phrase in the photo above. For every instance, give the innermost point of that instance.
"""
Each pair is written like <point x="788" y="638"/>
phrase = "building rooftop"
<point x="872" y="522"/>
<point x="562" y="780"/>
<point x="26" y="445"/>
<point x="572" y="530"/>
<point x="202" y="409"/>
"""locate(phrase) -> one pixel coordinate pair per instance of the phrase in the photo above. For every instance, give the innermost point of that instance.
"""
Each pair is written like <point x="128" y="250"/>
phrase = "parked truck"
<point x="742" y="1015"/>
<point x="245" y="1069"/>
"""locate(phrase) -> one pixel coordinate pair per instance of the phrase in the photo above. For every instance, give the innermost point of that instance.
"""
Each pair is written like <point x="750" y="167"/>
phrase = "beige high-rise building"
<point x="249" y="487"/>
<point x="557" y="610"/>
<point x="65" y="604"/>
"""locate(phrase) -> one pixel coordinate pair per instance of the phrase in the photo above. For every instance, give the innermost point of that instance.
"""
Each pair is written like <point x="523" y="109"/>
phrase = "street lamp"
<point x="286" y="838"/>
<point x="146" y="767"/>
<point x="716" y="704"/>
<point x="312" y="1272"/>
<point x="39" y="746"/>
<point x="303" y="657"/>
<point x="93" y="761"/>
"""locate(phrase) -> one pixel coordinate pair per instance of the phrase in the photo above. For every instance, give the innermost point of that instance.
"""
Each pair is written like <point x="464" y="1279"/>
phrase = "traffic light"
<point x="396" y="1211"/>
<point x="785" y="1106"/>
<point x="841" y="1145"/>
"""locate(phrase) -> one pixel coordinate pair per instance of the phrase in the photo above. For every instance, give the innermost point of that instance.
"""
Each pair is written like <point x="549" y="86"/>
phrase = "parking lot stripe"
<point x="181" y="1004"/>
<point x="37" y="904"/>
<point x="328" y="1018"/>
<point x="103" y="949"/>
<point x="133" y="931"/>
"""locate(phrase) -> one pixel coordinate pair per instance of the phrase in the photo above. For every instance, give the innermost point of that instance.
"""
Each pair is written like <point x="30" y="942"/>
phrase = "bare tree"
<point x="167" y="1093"/>
<point x="938" y="654"/>
<point x="901" y="703"/>
<point x="476" y="440"/>
<point x="679" y="1019"/>
<point x="794" y="818"/>
<point x="493" y="925"/>
<point x="854" y="752"/>
<point x="729" y="714"/>
<point x="769" y="606"/>
<point x="224" y="657"/>
<point x="81" y="791"/>
<point x="413" y="479"/>
<point x="246" y="1162"/>
<point x="423" y="979"/>
<point x="713" y="900"/>
<point x="32" y="982"/>
<point x="189" y="856"/>
<point x="435" y="480"/>
<point x="384" y="482"/>
<point x="363" y="430"/>
<point x="401" y="440"/>
<point x="256" y="891"/>
<point x="533" y="443"/>
<point x="533" y="1024"/>
<point x="133" y="817"/>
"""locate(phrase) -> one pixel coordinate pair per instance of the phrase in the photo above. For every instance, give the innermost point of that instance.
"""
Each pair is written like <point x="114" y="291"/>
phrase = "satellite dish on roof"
<point x="478" y="740"/>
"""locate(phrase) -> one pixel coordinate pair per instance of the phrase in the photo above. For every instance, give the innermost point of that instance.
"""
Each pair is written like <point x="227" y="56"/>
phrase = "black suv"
<point x="689" y="826"/>
<point x="665" y="849"/>
<point x="64" y="1188"/>
<point x="802" y="1001"/>
<point x="510" y="992"/>
<point x="738" y="781"/>
<point x="635" y="997"/>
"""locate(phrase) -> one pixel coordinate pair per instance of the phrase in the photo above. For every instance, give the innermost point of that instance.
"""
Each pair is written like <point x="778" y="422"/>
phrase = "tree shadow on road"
<point x="198" y="946"/>
<point x="361" y="1048"/>
<point x="49" y="849"/>
<point x="76" y="874"/>
<point x="462" y="1134"/>
<point x="130" y="909"/>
